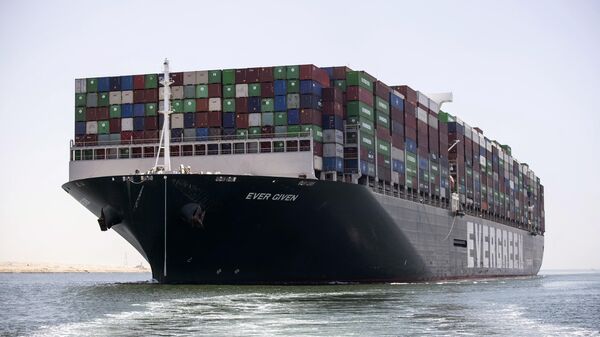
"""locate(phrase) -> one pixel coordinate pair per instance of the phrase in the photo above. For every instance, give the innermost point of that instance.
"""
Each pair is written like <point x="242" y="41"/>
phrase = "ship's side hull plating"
<point x="244" y="230"/>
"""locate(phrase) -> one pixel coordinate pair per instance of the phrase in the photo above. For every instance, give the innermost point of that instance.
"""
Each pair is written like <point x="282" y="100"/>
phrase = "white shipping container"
<point x="241" y="90"/>
<point x="333" y="150"/>
<point x="114" y="97"/>
<point x="333" y="136"/>
<point x="177" y="121"/>
<point x="421" y="98"/>
<point x="397" y="153"/>
<point x="91" y="128"/>
<point x="318" y="161"/>
<point x="176" y="92"/>
<point x="126" y="97"/>
<point x="433" y="106"/>
<point x="432" y="121"/>
<point x="254" y="119"/>
<point x="482" y="161"/>
<point x="80" y="85"/>
<point x="422" y="115"/>
<point x="202" y="77"/>
<point x="214" y="104"/>
<point x="127" y="124"/>
<point x="189" y="77"/>
<point x="395" y="177"/>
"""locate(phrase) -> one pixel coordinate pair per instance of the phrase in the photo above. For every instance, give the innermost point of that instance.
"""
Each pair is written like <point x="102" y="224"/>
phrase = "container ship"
<point x="299" y="175"/>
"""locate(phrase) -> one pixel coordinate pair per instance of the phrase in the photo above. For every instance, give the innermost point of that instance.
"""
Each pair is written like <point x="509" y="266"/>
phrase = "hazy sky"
<point x="525" y="72"/>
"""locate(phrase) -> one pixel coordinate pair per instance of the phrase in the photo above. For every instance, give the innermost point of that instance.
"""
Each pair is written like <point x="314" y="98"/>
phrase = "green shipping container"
<point x="202" y="91"/>
<point x="357" y="108"/>
<point x="103" y="127"/>
<point x="254" y="132"/>
<point x="151" y="81"/>
<point x="267" y="119"/>
<point x="384" y="147"/>
<point x="189" y="105"/>
<point x="229" y="91"/>
<point x="443" y="116"/>
<point x="317" y="131"/>
<point x="229" y="76"/>
<point x="294" y="129"/>
<point x="151" y="109"/>
<point x="293" y="72"/>
<point x="214" y="76"/>
<point x="359" y="78"/>
<point x="279" y="73"/>
<point x="229" y="105"/>
<point x="103" y="99"/>
<point x="177" y="105"/>
<point x="80" y="114"/>
<point x="241" y="133"/>
<point x="383" y="120"/>
<point x="80" y="99"/>
<point x="293" y="86"/>
<point x="367" y="141"/>
<point x="91" y="85"/>
<point x="411" y="160"/>
<point x="266" y="105"/>
<point x="382" y="105"/>
<point x="365" y="124"/>
<point x="280" y="118"/>
<point x="254" y="89"/>
<point x="115" y="111"/>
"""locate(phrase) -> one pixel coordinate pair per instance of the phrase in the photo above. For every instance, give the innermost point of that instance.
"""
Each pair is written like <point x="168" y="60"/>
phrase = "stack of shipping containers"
<point x="394" y="137"/>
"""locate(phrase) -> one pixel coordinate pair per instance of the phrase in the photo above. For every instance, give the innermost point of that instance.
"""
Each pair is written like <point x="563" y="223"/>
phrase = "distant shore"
<point x="22" y="267"/>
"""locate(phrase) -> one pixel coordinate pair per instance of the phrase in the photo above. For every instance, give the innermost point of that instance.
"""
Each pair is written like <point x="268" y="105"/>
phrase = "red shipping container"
<point x="267" y="131"/>
<point x="151" y="135"/>
<point x="90" y="140"/>
<point x="126" y="137"/>
<point x="102" y="113"/>
<point x="177" y="78"/>
<point x="202" y="119"/>
<point x="410" y="121"/>
<point x="410" y="132"/>
<point x="333" y="95"/>
<point x="202" y="104"/>
<point x="214" y="90"/>
<point x="397" y="115"/>
<point x="318" y="149"/>
<point x="253" y="75"/>
<point x="310" y="116"/>
<point x="333" y="108"/>
<point x="241" y="121"/>
<point x="356" y="93"/>
<point x="150" y="95"/>
<point x="410" y="109"/>
<point x="241" y="104"/>
<point x="265" y="74"/>
<point x="383" y="133"/>
<point x="150" y="123"/>
<point x="138" y="137"/>
<point x="79" y="139"/>
<point x="382" y="90"/>
<point x="215" y="119"/>
<point x="409" y="94"/>
<point x="139" y="96"/>
<point x="139" y="82"/>
<point x="398" y="141"/>
<point x="311" y="72"/>
<point x="90" y="114"/>
<point x="267" y="90"/>
<point x="240" y="75"/>
<point x="114" y="125"/>
<point x="339" y="73"/>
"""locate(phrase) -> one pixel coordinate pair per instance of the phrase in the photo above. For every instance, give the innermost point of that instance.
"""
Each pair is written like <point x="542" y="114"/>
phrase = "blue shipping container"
<point x="138" y="124"/>
<point x="310" y="102"/>
<point x="333" y="122"/>
<point x="176" y="135"/>
<point x="333" y="164"/>
<point x="126" y="110"/>
<point x="139" y="110"/>
<point x="115" y="83"/>
<point x="410" y="145"/>
<point x="103" y="84"/>
<point x="423" y="164"/>
<point x="398" y="166"/>
<point x="280" y="103"/>
<point x="126" y="82"/>
<point x="80" y="128"/>
<point x="253" y="104"/>
<point x="189" y="121"/>
<point x="202" y="133"/>
<point x="293" y="117"/>
<point x="229" y="120"/>
<point x="396" y="102"/>
<point x="280" y="87"/>
<point x="310" y="87"/>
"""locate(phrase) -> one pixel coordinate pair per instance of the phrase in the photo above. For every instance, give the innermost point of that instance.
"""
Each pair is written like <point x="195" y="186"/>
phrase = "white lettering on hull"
<point x="491" y="247"/>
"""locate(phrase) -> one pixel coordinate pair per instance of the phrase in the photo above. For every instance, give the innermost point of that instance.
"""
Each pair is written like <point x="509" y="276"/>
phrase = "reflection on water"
<point x="102" y="305"/>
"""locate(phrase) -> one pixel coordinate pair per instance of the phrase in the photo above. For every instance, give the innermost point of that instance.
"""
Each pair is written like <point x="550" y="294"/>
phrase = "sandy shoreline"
<point x="21" y="267"/>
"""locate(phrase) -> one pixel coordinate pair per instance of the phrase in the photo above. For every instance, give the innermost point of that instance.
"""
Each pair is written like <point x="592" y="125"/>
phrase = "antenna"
<point x="165" y="134"/>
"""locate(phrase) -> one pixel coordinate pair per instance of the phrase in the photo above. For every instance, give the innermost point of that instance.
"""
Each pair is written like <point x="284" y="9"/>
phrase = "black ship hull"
<point x="219" y="229"/>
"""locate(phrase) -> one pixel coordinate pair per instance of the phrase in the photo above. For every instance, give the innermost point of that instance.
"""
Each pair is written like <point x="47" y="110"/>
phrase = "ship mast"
<point x="165" y="135"/>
